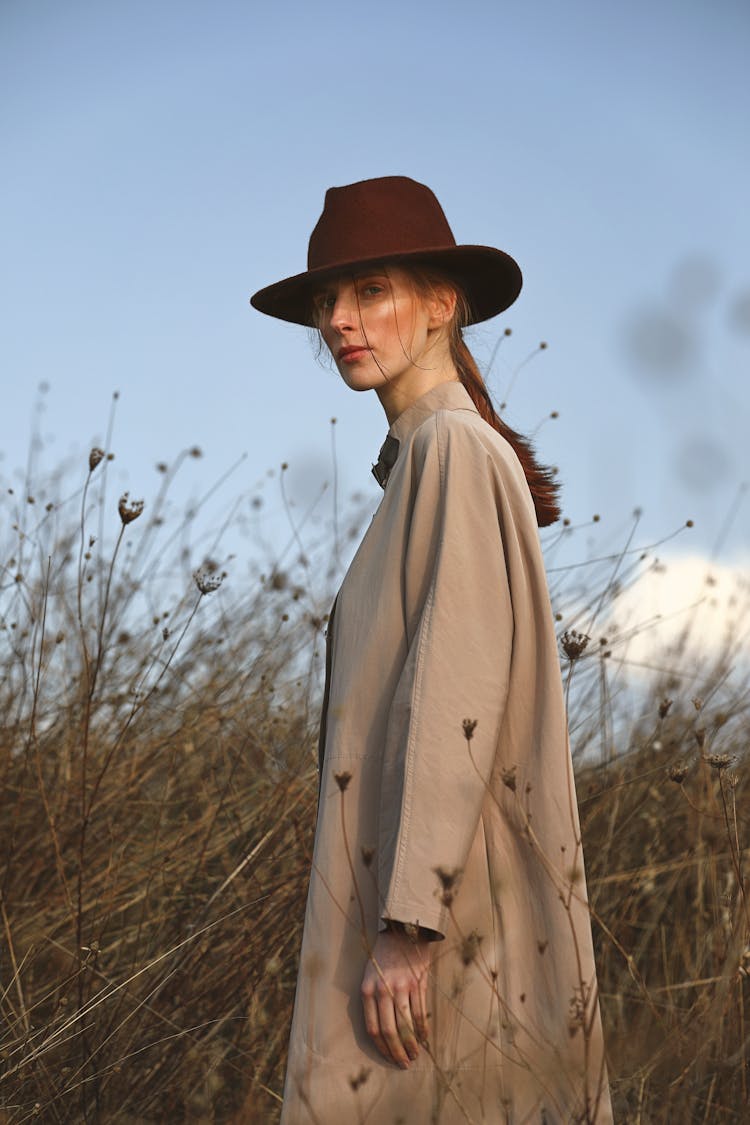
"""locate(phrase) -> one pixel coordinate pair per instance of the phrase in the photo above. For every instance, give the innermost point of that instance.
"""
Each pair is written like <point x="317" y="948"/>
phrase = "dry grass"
<point x="158" y="799"/>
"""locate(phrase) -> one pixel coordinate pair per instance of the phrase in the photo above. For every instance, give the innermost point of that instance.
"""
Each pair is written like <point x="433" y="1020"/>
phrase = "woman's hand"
<point x="394" y="996"/>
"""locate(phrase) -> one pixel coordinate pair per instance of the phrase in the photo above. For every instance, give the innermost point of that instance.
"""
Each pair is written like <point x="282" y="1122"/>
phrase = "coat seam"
<point x="416" y="696"/>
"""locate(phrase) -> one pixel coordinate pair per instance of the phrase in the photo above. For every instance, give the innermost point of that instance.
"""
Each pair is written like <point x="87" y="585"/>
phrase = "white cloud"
<point x="685" y="609"/>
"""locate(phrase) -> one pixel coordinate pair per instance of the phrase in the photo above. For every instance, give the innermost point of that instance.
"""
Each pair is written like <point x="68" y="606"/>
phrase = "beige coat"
<point x="444" y="616"/>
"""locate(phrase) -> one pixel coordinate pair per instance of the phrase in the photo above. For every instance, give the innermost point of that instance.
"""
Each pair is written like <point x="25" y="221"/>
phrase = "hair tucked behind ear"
<point x="542" y="485"/>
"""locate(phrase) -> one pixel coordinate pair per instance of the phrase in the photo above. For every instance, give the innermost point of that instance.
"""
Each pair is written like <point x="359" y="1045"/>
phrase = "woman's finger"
<point x="405" y="1024"/>
<point x="389" y="1028"/>
<point x="372" y="1024"/>
<point x="419" y="1010"/>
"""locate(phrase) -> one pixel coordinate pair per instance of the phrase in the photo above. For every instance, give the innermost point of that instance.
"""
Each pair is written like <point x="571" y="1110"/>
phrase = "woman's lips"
<point x="351" y="354"/>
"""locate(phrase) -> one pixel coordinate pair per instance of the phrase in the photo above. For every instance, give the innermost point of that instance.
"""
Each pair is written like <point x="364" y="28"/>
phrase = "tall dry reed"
<point x="157" y="743"/>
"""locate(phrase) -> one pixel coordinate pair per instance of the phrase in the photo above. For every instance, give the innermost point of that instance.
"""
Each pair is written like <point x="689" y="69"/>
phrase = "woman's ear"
<point x="441" y="305"/>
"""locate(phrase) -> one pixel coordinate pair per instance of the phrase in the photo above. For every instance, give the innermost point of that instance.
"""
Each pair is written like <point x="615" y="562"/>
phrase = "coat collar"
<point x="445" y="396"/>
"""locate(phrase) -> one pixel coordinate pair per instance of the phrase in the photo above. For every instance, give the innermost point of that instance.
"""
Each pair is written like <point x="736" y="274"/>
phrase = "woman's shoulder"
<point x="458" y="436"/>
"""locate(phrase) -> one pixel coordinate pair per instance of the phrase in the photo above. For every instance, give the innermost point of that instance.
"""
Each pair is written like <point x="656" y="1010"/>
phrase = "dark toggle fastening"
<point x="386" y="460"/>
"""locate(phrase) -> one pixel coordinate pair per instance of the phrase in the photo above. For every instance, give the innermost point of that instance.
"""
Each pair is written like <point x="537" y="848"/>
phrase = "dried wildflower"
<point x="543" y="344"/>
<point x="162" y="467"/>
<point x="279" y="580"/>
<point x="678" y="773"/>
<point x="470" y="947"/>
<point x="96" y="456"/>
<point x="697" y="703"/>
<point x="367" y="854"/>
<point x="357" y="1080"/>
<point x="196" y="451"/>
<point x="342" y="780"/>
<point x="664" y="707"/>
<point x="700" y="736"/>
<point x="469" y="725"/>
<point x="575" y="1013"/>
<point x="719" y="761"/>
<point x="574" y="643"/>
<point x="207" y="580"/>
<point x="449" y="879"/>
<point x="128" y="510"/>
<point x="509" y="777"/>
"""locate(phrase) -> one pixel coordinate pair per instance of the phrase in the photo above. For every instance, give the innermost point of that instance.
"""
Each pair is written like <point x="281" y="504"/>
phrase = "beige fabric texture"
<point x="444" y="616"/>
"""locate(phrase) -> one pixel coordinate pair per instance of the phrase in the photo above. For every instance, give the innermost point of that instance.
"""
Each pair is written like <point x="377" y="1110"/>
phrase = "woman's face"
<point x="380" y="333"/>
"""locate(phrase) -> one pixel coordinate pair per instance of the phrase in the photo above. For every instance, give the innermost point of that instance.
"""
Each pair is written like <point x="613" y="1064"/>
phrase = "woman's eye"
<point x="325" y="301"/>
<point x="372" y="290"/>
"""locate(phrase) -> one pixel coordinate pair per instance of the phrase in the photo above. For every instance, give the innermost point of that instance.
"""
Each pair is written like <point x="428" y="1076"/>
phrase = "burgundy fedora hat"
<point x="391" y="219"/>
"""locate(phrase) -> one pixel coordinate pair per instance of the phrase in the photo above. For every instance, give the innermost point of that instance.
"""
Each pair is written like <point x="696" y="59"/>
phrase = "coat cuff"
<point x="412" y="929"/>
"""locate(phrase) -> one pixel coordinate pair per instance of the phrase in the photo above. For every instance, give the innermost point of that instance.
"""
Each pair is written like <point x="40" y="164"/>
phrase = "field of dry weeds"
<point x="157" y="739"/>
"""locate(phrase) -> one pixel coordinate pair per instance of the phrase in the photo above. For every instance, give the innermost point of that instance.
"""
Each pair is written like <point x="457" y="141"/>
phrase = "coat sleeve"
<point x="459" y="620"/>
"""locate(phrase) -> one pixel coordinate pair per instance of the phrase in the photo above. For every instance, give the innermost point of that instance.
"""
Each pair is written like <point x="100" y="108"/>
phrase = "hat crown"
<point x="378" y="218"/>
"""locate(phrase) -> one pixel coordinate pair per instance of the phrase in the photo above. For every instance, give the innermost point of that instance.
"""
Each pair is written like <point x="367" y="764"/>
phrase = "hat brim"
<point x="489" y="279"/>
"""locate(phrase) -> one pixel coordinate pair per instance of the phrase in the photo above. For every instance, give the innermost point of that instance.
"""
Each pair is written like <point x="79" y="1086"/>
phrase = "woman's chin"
<point x="362" y="380"/>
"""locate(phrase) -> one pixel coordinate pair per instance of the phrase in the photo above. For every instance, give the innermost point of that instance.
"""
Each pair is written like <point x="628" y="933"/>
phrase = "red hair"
<point x="543" y="487"/>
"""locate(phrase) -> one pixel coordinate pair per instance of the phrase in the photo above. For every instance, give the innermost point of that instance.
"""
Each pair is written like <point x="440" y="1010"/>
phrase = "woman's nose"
<point x="343" y="313"/>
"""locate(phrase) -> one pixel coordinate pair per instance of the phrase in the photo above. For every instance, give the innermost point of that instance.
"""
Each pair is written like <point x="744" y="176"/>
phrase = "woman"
<point x="446" y="972"/>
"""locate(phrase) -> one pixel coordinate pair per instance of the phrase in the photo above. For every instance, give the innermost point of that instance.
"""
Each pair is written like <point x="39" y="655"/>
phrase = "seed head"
<point x="207" y="581"/>
<point x="469" y="725"/>
<point x="342" y="780"/>
<point x="678" y="773"/>
<point x="509" y="778"/>
<point x="470" y="947"/>
<point x="664" y="707"/>
<point x="574" y="644"/>
<point x="719" y="761"/>
<point x="129" y="510"/>
<point x="96" y="456"/>
<point x="449" y="878"/>
<point x="359" y="1079"/>
<point x="367" y="854"/>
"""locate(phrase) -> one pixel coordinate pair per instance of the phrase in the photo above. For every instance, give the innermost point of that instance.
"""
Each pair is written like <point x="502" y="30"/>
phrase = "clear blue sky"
<point x="162" y="160"/>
